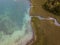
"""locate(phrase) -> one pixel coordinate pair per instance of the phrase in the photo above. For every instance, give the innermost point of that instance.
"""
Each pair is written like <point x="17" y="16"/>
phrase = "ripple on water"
<point x="19" y="36"/>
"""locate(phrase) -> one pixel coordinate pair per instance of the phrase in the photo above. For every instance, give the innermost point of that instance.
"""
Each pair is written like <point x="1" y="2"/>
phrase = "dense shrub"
<point x="52" y="6"/>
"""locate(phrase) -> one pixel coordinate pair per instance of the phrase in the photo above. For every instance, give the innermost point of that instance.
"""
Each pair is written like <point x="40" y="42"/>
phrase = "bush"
<point x="52" y="6"/>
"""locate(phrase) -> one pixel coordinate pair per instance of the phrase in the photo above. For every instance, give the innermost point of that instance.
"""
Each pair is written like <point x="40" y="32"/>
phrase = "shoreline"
<point x="34" y="36"/>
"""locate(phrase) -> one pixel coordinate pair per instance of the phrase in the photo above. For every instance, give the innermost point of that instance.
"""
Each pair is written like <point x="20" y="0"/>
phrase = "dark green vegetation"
<point x="52" y="6"/>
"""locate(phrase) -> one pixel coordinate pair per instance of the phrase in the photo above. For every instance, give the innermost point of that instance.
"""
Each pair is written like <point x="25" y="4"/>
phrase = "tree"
<point x="53" y="6"/>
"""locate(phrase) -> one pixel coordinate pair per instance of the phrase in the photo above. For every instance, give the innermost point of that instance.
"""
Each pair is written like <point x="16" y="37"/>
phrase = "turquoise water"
<point x="12" y="14"/>
<point x="14" y="17"/>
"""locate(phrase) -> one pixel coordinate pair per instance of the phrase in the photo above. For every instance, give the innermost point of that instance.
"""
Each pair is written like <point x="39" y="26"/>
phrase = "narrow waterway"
<point x="49" y="18"/>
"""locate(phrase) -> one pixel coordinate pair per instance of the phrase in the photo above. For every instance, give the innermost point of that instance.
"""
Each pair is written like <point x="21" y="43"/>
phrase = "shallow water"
<point x="14" y="22"/>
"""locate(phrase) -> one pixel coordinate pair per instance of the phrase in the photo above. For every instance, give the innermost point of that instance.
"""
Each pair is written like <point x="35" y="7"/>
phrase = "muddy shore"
<point x="46" y="32"/>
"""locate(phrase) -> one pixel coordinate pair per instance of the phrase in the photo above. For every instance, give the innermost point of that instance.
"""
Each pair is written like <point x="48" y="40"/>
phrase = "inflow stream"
<point x="49" y="18"/>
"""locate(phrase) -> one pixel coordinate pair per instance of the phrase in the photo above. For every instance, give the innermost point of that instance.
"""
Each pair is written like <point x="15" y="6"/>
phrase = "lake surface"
<point x="14" y="20"/>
